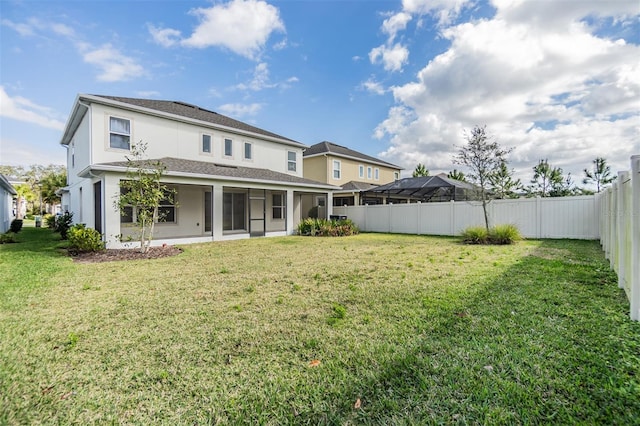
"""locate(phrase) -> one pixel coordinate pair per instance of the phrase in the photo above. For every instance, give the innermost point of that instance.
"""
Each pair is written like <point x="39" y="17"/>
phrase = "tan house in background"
<point x="351" y="170"/>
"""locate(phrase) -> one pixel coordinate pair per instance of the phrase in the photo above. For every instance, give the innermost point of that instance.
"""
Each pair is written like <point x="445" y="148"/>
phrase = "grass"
<point x="298" y="330"/>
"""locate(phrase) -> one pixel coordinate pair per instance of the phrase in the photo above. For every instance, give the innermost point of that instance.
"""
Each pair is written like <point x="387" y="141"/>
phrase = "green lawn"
<point x="371" y="329"/>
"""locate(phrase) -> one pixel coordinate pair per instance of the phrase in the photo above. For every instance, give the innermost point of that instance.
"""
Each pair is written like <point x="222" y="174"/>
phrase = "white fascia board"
<point x="351" y="157"/>
<point x="74" y="120"/>
<point x="155" y="112"/>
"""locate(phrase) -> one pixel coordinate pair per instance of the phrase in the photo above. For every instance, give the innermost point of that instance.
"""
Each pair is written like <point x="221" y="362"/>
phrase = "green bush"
<point x="504" y="234"/>
<point x="16" y="226"/>
<point x="63" y="223"/>
<point x="327" y="228"/>
<point x="84" y="240"/>
<point x="50" y="221"/>
<point x="475" y="235"/>
<point x="8" y="237"/>
<point x="499" y="234"/>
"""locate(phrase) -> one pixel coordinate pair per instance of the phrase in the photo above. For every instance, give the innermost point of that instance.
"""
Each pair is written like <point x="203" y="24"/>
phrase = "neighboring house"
<point x="351" y="170"/>
<point x="7" y="208"/>
<point x="421" y="189"/>
<point x="232" y="180"/>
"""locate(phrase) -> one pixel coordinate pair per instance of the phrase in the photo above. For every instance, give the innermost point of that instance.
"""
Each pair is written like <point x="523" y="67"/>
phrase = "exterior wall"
<point x="6" y="209"/>
<point x="172" y="138"/>
<point x="78" y="151"/>
<point x="315" y="168"/>
<point x="320" y="168"/>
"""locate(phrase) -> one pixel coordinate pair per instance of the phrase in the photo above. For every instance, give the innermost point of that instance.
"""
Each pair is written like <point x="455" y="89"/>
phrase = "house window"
<point x="234" y="211"/>
<point x="361" y="171"/>
<point x="166" y="210"/>
<point x="119" y="133"/>
<point x="247" y="151"/>
<point x="336" y="169"/>
<point x="369" y="172"/>
<point x="206" y="144"/>
<point x="291" y="161"/>
<point x="278" y="207"/>
<point x="376" y="173"/>
<point x="228" y="147"/>
<point x="396" y="175"/>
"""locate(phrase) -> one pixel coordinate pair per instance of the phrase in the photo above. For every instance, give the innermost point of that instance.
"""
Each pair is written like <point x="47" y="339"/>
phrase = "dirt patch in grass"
<point x="111" y="255"/>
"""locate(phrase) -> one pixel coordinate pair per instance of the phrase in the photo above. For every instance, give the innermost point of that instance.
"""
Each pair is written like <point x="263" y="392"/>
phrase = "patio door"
<point x="257" y="212"/>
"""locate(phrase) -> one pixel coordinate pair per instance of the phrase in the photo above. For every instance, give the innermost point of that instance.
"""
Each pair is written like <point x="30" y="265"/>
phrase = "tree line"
<point x="39" y="187"/>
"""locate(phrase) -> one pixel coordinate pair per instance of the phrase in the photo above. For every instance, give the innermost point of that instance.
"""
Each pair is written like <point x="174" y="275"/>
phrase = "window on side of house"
<point x="119" y="133"/>
<point x="167" y="209"/>
<point x="336" y="169"/>
<point x="376" y="173"/>
<point x="206" y="144"/>
<point x="228" y="147"/>
<point x="361" y="171"/>
<point x="396" y="175"/>
<point x="291" y="161"/>
<point x="248" y="151"/>
<point x="278" y="206"/>
<point x="369" y="171"/>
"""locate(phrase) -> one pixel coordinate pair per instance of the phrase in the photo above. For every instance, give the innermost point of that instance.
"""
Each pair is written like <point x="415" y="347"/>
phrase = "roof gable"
<point x="326" y="147"/>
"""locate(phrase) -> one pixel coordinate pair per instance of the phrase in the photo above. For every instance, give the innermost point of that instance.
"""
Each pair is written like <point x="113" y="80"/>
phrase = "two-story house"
<point x="231" y="179"/>
<point x="351" y="170"/>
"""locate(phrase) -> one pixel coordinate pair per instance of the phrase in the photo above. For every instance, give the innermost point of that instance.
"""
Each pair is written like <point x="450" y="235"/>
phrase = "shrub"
<point x="8" y="237"/>
<point x="63" y="223"/>
<point x="84" y="240"/>
<point x="327" y="228"/>
<point x="16" y="226"/>
<point x="504" y="234"/>
<point x="475" y="235"/>
<point x="50" y="221"/>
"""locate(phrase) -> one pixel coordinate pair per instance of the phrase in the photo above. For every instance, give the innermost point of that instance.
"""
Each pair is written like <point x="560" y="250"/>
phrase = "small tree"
<point x="483" y="156"/>
<point x="545" y="179"/>
<point x="142" y="192"/>
<point x="502" y="183"/>
<point x="420" y="170"/>
<point x="457" y="175"/>
<point x="600" y="174"/>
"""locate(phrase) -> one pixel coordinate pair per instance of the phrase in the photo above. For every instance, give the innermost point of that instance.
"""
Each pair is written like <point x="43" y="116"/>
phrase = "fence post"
<point x="621" y="240"/>
<point x="635" y="238"/>
<point x="613" y="227"/>
<point x="538" y="217"/>
<point x="452" y="216"/>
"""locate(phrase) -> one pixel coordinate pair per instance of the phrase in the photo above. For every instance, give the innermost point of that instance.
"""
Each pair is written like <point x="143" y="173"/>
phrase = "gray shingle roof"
<point x="194" y="112"/>
<point x="178" y="165"/>
<point x="354" y="185"/>
<point x="326" y="147"/>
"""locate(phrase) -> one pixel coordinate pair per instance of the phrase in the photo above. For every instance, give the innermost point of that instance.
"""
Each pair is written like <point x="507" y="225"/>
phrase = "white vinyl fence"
<point x="565" y="217"/>
<point x="620" y="231"/>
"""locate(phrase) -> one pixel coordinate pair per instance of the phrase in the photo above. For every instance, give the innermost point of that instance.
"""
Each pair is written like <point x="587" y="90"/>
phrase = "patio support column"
<point x="329" y="204"/>
<point x="290" y="212"/>
<point x="111" y="219"/>
<point x="217" y="212"/>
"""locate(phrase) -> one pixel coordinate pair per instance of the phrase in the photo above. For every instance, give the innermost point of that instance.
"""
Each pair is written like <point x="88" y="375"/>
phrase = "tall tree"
<point x="50" y="183"/>
<point x="563" y="187"/>
<point x="142" y="192"/>
<point x="502" y="183"/>
<point x="483" y="156"/>
<point x="600" y="174"/>
<point x="545" y="177"/>
<point x="420" y="170"/>
<point x="457" y="175"/>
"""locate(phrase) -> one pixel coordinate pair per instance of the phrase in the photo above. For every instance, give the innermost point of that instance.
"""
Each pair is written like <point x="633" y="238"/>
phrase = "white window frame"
<point x="119" y="133"/>
<point x="337" y="170"/>
<point x="244" y="151"/>
<point x="361" y="171"/>
<point x="224" y="147"/>
<point x="280" y="208"/>
<point x="202" y="137"/>
<point x="369" y="172"/>
<point x="396" y="175"/>
<point x="133" y="216"/>
<point x="292" y="165"/>
<point x="376" y="173"/>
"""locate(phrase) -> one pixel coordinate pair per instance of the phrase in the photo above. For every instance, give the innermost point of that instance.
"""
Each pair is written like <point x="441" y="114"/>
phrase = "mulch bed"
<point x="111" y="255"/>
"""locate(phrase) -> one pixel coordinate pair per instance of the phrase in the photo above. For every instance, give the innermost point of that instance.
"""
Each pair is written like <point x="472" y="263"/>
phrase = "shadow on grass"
<point x="549" y="341"/>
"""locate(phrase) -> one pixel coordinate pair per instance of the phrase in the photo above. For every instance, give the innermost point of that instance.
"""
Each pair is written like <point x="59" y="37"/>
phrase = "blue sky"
<point x="402" y="81"/>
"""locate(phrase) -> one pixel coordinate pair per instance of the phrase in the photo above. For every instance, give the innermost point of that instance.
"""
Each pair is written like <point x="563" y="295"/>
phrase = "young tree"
<point x="420" y="170"/>
<point x="545" y="178"/>
<point x="483" y="156"/>
<point x="457" y="175"/>
<point x="600" y="174"/>
<point x="50" y="183"/>
<point x="142" y="192"/>
<point x="502" y="183"/>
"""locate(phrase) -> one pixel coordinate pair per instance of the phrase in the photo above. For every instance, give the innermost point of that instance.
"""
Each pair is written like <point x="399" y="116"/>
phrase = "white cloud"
<point x="395" y="23"/>
<point x="165" y="37"/>
<point x="373" y="86"/>
<point x="23" y="29"/>
<point x="393" y="58"/>
<point x="261" y="80"/>
<point x="113" y="65"/>
<point x="22" y="109"/>
<point x="240" y="110"/>
<point x="559" y="92"/>
<point x="62" y="29"/>
<point x="147" y="93"/>
<point x="242" y="26"/>
<point x="446" y="11"/>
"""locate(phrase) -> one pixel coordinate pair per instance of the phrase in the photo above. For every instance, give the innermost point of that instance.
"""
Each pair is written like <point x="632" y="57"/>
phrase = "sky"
<point x="404" y="81"/>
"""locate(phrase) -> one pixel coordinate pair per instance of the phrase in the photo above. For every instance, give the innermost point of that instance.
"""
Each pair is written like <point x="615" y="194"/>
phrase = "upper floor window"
<point x="119" y="133"/>
<point x="361" y="171"/>
<point x="376" y="173"/>
<point x="206" y="144"/>
<point x="228" y="147"/>
<point x="291" y="161"/>
<point x="247" y="151"/>
<point x="369" y="172"/>
<point x="336" y="169"/>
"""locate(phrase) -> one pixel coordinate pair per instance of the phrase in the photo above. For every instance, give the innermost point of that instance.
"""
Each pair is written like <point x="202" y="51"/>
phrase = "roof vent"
<point x="225" y="165"/>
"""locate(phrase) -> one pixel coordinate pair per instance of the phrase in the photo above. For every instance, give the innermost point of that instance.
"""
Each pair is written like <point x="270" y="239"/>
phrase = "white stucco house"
<point x="232" y="180"/>
<point x="7" y="213"/>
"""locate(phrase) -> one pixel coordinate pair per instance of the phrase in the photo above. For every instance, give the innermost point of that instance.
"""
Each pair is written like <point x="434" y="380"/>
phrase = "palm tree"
<point x="600" y="174"/>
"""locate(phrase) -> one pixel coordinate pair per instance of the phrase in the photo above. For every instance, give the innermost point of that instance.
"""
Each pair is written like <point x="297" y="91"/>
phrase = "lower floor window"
<point x="166" y="210"/>
<point x="278" y="208"/>
<point x="234" y="214"/>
